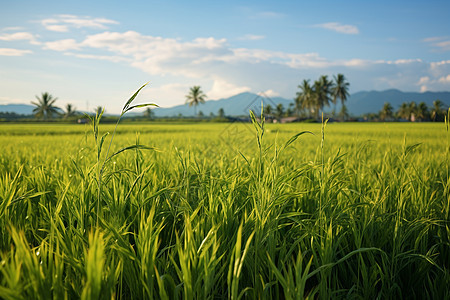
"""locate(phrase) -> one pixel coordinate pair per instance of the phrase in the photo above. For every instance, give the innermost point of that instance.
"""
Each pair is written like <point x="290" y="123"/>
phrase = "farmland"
<point x="216" y="211"/>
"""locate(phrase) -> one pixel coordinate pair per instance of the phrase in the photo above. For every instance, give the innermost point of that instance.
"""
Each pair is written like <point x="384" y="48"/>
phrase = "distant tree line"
<point x="12" y="116"/>
<point x="45" y="109"/>
<point x="410" y="111"/>
<point x="309" y="102"/>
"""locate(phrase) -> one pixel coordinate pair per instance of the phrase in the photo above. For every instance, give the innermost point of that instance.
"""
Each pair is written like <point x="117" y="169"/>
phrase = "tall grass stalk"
<point x="349" y="218"/>
<point x="95" y="120"/>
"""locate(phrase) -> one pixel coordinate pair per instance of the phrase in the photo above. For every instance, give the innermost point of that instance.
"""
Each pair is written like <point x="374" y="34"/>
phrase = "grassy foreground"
<point x="220" y="211"/>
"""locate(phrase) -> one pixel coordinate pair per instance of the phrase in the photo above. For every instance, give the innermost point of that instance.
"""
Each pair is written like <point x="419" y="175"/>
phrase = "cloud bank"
<point x="223" y="69"/>
<point x="244" y="68"/>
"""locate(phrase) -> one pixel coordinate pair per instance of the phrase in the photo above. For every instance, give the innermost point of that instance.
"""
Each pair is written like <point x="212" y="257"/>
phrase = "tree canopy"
<point x="314" y="98"/>
<point x="45" y="107"/>
<point x="195" y="97"/>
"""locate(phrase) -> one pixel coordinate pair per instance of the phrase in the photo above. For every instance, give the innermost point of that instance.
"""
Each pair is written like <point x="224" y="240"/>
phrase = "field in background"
<point x="362" y="213"/>
<point x="225" y="139"/>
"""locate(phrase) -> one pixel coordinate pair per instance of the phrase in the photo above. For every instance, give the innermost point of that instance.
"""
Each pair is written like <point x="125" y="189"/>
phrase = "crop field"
<point x="225" y="210"/>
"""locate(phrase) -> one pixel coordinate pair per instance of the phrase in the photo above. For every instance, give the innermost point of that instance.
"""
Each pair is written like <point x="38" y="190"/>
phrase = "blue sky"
<point x="91" y="53"/>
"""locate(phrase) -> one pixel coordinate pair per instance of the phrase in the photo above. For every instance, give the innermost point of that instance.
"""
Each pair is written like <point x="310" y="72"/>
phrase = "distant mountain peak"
<point x="237" y="105"/>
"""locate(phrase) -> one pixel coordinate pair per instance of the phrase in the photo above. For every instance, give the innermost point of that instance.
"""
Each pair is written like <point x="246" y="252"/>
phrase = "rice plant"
<point x="304" y="211"/>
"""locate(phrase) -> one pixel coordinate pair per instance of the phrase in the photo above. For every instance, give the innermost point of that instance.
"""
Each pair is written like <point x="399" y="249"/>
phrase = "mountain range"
<point x="20" y="109"/>
<point x="373" y="101"/>
<point x="239" y="105"/>
<point x="358" y="103"/>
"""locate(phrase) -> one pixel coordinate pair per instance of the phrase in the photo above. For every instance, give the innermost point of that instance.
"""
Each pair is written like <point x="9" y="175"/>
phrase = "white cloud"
<point x="270" y="93"/>
<point x="355" y="62"/>
<point x="436" y="82"/>
<point x="196" y="58"/>
<point x="252" y="37"/>
<point x="62" y="45"/>
<point x="224" y="89"/>
<point x="57" y="28"/>
<point x="440" y="43"/>
<point x="445" y="79"/>
<point x="307" y="60"/>
<point x="404" y="61"/>
<point x="224" y="71"/>
<point x="16" y="36"/>
<point x="437" y="64"/>
<point x="292" y="60"/>
<point x="112" y="58"/>
<point x="13" y="52"/>
<point x="166" y="95"/>
<point x="444" y="45"/>
<point x="250" y="55"/>
<point x="62" y="23"/>
<point x="338" y="27"/>
<point x="433" y="39"/>
<point x="19" y="36"/>
<point x="439" y="69"/>
<point x="14" y="28"/>
<point x="423" y="80"/>
<point x="213" y="60"/>
<point x="157" y="55"/>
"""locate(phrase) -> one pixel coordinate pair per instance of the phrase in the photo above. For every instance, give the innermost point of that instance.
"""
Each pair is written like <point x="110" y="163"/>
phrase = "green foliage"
<point x="45" y="107"/>
<point x="271" y="212"/>
<point x="315" y="97"/>
<point x="195" y="97"/>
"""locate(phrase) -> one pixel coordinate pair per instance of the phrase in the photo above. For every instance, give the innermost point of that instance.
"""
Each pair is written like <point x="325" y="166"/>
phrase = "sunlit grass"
<point x="213" y="214"/>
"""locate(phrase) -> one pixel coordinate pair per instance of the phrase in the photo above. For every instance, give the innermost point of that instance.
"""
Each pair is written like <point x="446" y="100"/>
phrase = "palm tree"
<point x="344" y="113"/>
<point x="305" y="98"/>
<point x="290" y="110"/>
<point x="70" y="111"/>
<point x="340" y="90"/>
<point x="403" y="112"/>
<point x="422" y="111"/>
<point x="437" y="110"/>
<point x="148" y="113"/>
<point x="386" y="112"/>
<point x="44" y="107"/>
<point x="322" y="90"/>
<point x="195" y="97"/>
<point x="279" y="111"/>
<point x="221" y="113"/>
<point x="268" y="110"/>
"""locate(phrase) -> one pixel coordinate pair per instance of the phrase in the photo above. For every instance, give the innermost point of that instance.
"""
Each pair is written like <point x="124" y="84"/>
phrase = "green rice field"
<point x="225" y="211"/>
